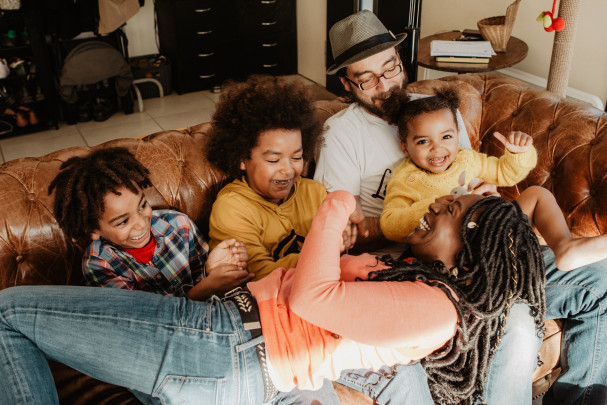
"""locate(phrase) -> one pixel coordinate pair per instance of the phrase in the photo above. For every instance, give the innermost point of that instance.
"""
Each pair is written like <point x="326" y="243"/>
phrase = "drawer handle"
<point x="269" y="45"/>
<point x="268" y="1"/>
<point x="207" y="76"/>
<point x="202" y="10"/>
<point x="204" y="55"/>
<point x="271" y="66"/>
<point x="204" y="32"/>
<point x="269" y="23"/>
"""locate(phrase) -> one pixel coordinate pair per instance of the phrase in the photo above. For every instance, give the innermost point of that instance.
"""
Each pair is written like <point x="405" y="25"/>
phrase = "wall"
<point x="140" y="31"/>
<point x="311" y="39"/>
<point x="589" y="67"/>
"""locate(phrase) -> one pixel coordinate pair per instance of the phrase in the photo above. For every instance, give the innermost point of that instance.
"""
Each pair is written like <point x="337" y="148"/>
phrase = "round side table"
<point x="516" y="51"/>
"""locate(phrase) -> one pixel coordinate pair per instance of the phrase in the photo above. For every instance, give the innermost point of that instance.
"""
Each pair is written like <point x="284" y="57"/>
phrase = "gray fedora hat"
<point x="359" y="36"/>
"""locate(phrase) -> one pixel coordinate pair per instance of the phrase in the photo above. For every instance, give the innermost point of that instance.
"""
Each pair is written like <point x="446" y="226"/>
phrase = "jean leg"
<point x="401" y="384"/>
<point x="180" y="350"/>
<point x="326" y="395"/>
<point x="578" y="297"/>
<point x="514" y="361"/>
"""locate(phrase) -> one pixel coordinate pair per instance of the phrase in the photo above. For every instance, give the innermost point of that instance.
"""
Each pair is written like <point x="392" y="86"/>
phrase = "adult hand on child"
<point x="356" y="224"/>
<point x="229" y="251"/>
<point x="516" y="142"/>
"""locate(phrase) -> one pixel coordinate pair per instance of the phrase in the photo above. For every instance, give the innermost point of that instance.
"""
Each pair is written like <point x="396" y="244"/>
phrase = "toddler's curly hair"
<point x="399" y="109"/>
<point x="261" y="103"/>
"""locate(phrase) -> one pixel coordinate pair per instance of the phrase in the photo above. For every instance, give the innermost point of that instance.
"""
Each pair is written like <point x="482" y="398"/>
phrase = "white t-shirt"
<point x="360" y="152"/>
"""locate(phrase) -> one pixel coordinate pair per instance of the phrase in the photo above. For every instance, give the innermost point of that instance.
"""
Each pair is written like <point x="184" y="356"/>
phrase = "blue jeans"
<point x="174" y="349"/>
<point x="514" y="363"/>
<point x="579" y="296"/>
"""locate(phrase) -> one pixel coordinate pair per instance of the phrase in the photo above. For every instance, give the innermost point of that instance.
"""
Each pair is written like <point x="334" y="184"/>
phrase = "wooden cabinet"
<point x="210" y="41"/>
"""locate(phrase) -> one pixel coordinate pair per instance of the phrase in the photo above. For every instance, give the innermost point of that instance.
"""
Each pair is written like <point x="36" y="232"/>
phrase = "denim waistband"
<point x="249" y="314"/>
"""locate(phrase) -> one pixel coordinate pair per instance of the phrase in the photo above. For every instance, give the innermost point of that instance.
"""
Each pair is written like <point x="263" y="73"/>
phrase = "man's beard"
<point x="373" y="108"/>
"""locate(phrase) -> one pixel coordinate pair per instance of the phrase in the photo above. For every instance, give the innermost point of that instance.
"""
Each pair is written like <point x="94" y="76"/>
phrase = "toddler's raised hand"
<point x="229" y="251"/>
<point x="516" y="142"/>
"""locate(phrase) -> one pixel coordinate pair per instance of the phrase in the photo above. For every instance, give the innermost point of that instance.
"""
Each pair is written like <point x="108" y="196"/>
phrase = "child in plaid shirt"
<point x="101" y="197"/>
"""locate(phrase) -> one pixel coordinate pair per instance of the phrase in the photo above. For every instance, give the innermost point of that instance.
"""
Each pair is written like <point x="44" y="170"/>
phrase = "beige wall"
<point x="588" y="70"/>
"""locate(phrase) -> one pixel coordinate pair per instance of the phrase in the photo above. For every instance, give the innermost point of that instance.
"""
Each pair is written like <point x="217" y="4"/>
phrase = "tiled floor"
<point x="170" y="112"/>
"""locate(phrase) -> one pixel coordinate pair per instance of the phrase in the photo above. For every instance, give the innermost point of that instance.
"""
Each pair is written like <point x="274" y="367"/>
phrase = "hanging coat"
<point x="114" y="13"/>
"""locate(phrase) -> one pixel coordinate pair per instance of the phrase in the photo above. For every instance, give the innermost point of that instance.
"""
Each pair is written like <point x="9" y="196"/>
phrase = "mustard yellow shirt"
<point x="412" y="189"/>
<point x="273" y="233"/>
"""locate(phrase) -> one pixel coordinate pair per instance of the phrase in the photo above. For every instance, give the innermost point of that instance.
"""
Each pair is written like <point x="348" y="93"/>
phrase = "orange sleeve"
<point x="389" y="314"/>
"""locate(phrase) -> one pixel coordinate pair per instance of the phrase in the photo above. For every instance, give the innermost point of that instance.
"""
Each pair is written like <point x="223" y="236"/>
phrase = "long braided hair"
<point x="500" y="264"/>
<point x="83" y="182"/>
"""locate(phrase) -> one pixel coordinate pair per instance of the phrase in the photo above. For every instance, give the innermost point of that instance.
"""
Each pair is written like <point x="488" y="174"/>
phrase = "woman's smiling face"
<point x="438" y="235"/>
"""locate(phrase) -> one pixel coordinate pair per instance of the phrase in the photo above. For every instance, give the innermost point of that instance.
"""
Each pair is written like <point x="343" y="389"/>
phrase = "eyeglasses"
<point x="374" y="81"/>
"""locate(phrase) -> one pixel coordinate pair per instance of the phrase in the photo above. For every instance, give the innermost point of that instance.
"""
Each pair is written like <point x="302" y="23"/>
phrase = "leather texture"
<point x="570" y="138"/>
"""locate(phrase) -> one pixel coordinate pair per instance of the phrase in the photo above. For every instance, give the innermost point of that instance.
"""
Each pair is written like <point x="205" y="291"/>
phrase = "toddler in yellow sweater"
<point x="434" y="162"/>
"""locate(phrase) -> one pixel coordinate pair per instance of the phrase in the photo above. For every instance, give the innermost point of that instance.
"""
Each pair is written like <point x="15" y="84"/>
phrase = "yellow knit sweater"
<point x="412" y="189"/>
<point x="273" y="233"/>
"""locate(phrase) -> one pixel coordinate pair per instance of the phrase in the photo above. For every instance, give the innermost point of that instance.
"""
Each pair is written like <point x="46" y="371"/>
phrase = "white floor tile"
<point x="175" y="103"/>
<point x="41" y="143"/>
<point x="117" y="118"/>
<point x="185" y="119"/>
<point x="170" y="112"/>
<point x="95" y="136"/>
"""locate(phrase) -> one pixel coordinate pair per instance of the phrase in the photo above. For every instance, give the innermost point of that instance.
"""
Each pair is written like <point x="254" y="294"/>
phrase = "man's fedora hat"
<point x="359" y="36"/>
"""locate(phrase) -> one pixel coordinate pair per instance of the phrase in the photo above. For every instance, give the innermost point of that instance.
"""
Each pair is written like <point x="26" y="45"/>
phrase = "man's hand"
<point x="356" y="224"/>
<point x="229" y="251"/>
<point x="516" y="142"/>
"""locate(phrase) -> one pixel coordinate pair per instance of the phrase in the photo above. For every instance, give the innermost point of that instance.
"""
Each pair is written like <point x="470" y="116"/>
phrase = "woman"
<point x="149" y="343"/>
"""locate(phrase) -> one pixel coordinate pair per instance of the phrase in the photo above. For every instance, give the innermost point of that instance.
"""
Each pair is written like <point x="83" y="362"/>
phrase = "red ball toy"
<point x="551" y="24"/>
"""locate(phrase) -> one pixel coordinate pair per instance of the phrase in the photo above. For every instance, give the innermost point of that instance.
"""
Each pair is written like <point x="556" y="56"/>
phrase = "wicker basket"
<point x="497" y="30"/>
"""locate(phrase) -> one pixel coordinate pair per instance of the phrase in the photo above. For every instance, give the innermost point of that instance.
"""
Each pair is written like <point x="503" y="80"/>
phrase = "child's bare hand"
<point x="229" y="251"/>
<point x="516" y="141"/>
<point x="228" y="276"/>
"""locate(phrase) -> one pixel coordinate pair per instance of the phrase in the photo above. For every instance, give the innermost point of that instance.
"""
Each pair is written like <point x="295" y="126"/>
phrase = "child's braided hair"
<point x="500" y="264"/>
<point x="83" y="182"/>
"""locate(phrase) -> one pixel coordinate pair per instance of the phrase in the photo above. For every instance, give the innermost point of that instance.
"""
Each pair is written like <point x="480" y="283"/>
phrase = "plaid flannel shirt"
<point x="177" y="265"/>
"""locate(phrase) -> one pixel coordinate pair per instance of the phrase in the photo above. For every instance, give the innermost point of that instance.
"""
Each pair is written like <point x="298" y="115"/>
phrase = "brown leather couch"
<point x="571" y="139"/>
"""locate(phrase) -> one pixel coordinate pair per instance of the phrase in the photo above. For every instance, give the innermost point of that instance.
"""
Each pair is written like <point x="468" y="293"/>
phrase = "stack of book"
<point x="461" y="51"/>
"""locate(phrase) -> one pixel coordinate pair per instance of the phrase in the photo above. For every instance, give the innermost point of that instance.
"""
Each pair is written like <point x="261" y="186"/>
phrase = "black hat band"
<point x="363" y="46"/>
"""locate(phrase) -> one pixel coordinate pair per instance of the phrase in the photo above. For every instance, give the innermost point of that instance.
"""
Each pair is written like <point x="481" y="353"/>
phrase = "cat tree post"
<point x="562" y="48"/>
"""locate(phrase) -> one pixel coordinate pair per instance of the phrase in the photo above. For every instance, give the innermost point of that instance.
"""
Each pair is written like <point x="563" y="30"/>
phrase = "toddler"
<point x="428" y="133"/>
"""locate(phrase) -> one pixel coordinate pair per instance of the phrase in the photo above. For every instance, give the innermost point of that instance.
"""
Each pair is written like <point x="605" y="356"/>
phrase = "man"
<point x="369" y="67"/>
<point x="359" y="153"/>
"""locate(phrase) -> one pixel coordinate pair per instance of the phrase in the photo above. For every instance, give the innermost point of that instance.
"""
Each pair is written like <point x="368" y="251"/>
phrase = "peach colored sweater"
<point x="317" y="320"/>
